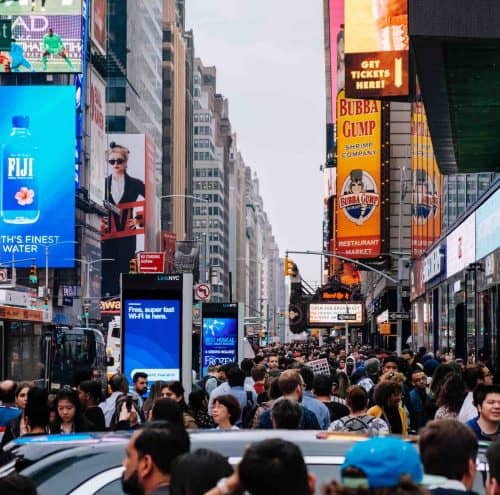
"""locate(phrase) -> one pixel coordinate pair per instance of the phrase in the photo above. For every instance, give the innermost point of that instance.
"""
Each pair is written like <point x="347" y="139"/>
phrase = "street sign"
<point x="5" y="35"/>
<point x="399" y="316"/>
<point x="151" y="262"/>
<point x="202" y="292"/>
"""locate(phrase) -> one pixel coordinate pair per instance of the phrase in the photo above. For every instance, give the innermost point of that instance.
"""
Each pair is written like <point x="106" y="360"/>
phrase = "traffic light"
<point x="133" y="265"/>
<point x="290" y="268"/>
<point x="46" y="302"/>
<point x="86" y="309"/>
<point x="33" y="274"/>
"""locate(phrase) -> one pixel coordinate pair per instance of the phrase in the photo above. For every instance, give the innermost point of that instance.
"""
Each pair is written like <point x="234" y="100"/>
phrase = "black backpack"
<point x="248" y="412"/>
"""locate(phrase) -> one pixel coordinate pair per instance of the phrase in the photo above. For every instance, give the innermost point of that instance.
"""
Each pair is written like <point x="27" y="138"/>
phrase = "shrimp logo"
<point x="359" y="197"/>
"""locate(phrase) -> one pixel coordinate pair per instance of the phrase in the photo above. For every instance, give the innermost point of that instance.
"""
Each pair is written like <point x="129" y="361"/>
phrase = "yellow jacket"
<point x="378" y="412"/>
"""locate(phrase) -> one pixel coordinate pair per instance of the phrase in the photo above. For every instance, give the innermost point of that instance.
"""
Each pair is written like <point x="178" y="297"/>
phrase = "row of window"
<point x="207" y="172"/>
<point x="202" y="224"/>
<point x="203" y="156"/>
<point x="206" y="185"/>
<point x="202" y="117"/>
<point x="202" y="143"/>
<point x="202" y="130"/>
<point x="212" y="210"/>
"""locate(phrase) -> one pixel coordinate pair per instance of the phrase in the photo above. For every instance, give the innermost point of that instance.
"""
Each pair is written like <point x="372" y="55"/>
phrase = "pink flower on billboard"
<point x="25" y="196"/>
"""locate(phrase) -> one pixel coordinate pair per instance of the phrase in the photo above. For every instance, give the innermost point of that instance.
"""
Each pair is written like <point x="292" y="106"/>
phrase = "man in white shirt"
<point x="473" y="375"/>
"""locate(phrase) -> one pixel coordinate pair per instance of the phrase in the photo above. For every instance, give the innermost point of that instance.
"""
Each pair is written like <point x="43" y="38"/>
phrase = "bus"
<point x="74" y="354"/>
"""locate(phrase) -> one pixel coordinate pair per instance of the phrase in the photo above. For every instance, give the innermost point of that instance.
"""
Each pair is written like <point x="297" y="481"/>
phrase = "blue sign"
<point x="37" y="163"/>
<point x="488" y="226"/>
<point x="219" y="341"/>
<point x="152" y="338"/>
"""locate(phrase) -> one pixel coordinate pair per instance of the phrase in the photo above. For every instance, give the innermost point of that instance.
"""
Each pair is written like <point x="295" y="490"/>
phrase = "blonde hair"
<point x="118" y="148"/>
<point x="394" y="376"/>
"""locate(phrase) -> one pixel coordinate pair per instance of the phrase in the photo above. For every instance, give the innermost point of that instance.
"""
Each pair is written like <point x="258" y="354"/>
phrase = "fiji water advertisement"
<point x="220" y="341"/>
<point x="37" y="163"/>
<point x="151" y="338"/>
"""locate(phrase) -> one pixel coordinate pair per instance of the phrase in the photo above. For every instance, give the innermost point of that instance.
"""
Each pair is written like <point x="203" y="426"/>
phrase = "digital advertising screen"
<point x="376" y="48"/>
<point x="152" y="338"/>
<point x="37" y="192"/>
<point x="219" y="341"/>
<point x="46" y="36"/>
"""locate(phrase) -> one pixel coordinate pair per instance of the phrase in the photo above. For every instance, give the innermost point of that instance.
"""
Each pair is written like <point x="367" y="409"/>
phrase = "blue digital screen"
<point x="37" y="172"/>
<point x="219" y="341"/>
<point x="151" y="338"/>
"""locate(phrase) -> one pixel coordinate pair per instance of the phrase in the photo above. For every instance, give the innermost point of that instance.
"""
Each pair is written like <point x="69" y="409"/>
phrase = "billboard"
<point x="98" y="25"/>
<point x="222" y="334"/>
<point x="376" y="48"/>
<point x="427" y="185"/>
<point x="46" y="34"/>
<point x="336" y="31"/>
<point x="327" y="314"/>
<point x="98" y="138"/>
<point x="358" y="205"/>
<point x="151" y="308"/>
<point x="488" y="226"/>
<point x="461" y="246"/>
<point x="125" y="192"/>
<point x="37" y="198"/>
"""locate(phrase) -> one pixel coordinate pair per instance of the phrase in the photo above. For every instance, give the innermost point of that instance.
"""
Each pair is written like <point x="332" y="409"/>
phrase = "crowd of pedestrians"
<point x="450" y="405"/>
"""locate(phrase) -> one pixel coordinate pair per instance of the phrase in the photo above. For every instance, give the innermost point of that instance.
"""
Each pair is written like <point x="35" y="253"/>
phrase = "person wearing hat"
<point x="381" y="463"/>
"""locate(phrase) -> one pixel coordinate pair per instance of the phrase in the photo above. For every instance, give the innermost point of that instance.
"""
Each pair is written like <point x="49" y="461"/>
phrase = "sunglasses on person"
<point x="119" y="161"/>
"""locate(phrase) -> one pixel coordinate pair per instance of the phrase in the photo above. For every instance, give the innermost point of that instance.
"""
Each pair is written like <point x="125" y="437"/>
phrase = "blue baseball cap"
<point x="383" y="460"/>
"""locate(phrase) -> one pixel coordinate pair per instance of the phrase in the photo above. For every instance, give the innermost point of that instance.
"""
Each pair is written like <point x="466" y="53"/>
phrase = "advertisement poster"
<point x="488" y="226"/>
<point x="335" y="313"/>
<point x="98" y="138"/>
<point x="47" y="35"/>
<point x="376" y="48"/>
<point x="37" y="198"/>
<point x="124" y="190"/>
<point x="358" y="229"/>
<point x="98" y="24"/>
<point x="151" y="338"/>
<point x="461" y="246"/>
<point x="337" y="59"/>
<point x="427" y="185"/>
<point x="220" y="341"/>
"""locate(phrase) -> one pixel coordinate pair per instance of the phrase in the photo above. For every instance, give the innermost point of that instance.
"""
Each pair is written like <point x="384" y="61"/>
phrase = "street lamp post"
<point x="88" y="264"/>
<point x="46" y="248"/>
<point x="203" y="200"/>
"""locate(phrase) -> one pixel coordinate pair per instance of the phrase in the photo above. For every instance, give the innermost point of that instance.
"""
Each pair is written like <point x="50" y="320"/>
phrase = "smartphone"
<point x="128" y="402"/>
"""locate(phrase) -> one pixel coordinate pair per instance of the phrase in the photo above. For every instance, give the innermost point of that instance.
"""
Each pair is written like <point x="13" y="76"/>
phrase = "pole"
<point x="46" y="271"/>
<point x="346" y="325"/>
<point x="399" y="334"/>
<point x="87" y="294"/>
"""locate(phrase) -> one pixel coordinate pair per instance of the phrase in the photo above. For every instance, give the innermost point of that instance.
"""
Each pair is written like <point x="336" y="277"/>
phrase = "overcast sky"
<point x="270" y="65"/>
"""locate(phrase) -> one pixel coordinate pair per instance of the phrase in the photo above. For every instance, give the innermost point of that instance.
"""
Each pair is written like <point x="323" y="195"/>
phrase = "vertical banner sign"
<point x="152" y="325"/>
<point x="124" y="228"/>
<point x="37" y="156"/>
<point x="358" y="178"/>
<point x="98" y="25"/>
<point x="377" y="45"/>
<point x="219" y="334"/>
<point x="427" y="183"/>
<point x="98" y="138"/>
<point x="336" y="13"/>
<point x="152" y="240"/>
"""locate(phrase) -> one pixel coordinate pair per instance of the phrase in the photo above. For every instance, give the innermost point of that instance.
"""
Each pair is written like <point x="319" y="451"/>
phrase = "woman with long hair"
<point x="69" y="416"/>
<point x="17" y="426"/>
<point x="174" y="390"/>
<point x="451" y="397"/>
<point x="154" y="394"/>
<point x="387" y="398"/>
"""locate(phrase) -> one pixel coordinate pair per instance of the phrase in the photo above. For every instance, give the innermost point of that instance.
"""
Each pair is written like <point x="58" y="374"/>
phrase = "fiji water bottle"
<point x="19" y="193"/>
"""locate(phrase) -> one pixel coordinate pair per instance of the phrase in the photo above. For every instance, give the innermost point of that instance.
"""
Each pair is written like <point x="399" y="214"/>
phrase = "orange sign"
<point x="111" y="307"/>
<point x="384" y="328"/>
<point x="359" y="128"/>
<point x="12" y="313"/>
<point x="427" y="185"/>
<point x="376" y="48"/>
